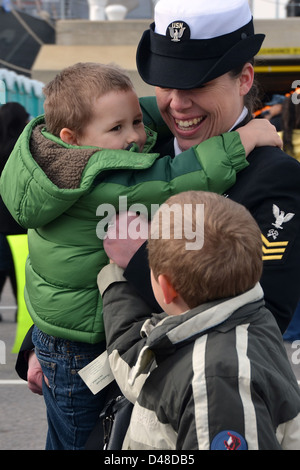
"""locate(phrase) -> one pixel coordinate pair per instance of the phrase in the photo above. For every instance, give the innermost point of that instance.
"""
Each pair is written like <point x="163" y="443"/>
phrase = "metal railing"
<point x="293" y="8"/>
<point x="56" y="9"/>
<point x="73" y="9"/>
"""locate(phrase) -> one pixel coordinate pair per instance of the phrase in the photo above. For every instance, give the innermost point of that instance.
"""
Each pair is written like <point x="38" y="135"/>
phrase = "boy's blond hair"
<point x="230" y="260"/>
<point x="70" y="96"/>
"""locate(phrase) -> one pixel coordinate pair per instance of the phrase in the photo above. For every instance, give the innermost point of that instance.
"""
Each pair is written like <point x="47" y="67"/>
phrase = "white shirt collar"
<point x="241" y="117"/>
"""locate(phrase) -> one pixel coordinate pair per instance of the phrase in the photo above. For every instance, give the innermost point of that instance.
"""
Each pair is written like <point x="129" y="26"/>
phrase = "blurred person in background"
<point x="13" y="119"/>
<point x="290" y="118"/>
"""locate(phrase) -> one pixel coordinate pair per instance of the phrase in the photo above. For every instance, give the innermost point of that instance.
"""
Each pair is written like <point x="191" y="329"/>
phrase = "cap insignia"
<point x="178" y="30"/>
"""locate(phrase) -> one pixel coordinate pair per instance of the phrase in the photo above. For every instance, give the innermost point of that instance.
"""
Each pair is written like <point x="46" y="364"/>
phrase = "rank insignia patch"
<point x="273" y="250"/>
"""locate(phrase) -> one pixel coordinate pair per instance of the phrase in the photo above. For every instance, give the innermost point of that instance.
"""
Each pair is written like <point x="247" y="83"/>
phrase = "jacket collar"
<point x="172" y="331"/>
<point x="205" y="317"/>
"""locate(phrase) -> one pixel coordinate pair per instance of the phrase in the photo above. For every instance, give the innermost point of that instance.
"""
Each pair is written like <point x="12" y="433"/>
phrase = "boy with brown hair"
<point x="230" y="261"/>
<point x="211" y="373"/>
<point x="65" y="169"/>
<point x="94" y="104"/>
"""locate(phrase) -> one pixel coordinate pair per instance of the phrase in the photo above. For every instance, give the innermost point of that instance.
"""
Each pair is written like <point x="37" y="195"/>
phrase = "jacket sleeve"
<point x="22" y="358"/>
<point x="278" y="216"/>
<point x="220" y="157"/>
<point x="269" y="188"/>
<point x="137" y="274"/>
<point x="209" y="166"/>
<point x="124" y="313"/>
<point x="250" y="423"/>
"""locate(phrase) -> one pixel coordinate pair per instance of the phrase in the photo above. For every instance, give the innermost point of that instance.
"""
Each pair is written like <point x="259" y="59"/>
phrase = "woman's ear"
<point x="168" y="290"/>
<point x="68" y="136"/>
<point x="246" y="79"/>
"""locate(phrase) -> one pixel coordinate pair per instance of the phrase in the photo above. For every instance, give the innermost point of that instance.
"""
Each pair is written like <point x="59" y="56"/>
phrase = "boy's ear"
<point x="68" y="136"/>
<point x="168" y="290"/>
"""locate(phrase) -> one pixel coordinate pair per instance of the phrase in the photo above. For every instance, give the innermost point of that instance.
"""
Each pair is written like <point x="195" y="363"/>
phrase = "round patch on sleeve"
<point x="228" y="440"/>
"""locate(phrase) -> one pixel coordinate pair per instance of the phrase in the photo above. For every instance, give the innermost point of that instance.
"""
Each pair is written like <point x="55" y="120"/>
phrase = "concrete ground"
<point x="23" y="423"/>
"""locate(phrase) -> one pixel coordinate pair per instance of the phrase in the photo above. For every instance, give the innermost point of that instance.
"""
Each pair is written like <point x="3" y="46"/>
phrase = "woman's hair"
<point x="290" y="120"/>
<point x="70" y="96"/>
<point x="13" y="119"/>
<point x="229" y="261"/>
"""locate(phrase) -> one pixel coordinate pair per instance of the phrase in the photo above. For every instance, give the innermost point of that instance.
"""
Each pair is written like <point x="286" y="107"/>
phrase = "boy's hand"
<point x="125" y="235"/>
<point x="257" y="133"/>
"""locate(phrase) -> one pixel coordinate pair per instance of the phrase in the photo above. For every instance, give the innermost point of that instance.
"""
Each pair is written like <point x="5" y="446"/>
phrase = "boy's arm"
<point x="124" y="313"/>
<point x="251" y="426"/>
<point x="221" y="157"/>
<point x="223" y="429"/>
<point x="210" y="166"/>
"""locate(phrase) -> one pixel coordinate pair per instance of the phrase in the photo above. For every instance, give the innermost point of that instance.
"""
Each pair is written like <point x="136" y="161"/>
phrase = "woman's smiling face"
<point x="198" y="114"/>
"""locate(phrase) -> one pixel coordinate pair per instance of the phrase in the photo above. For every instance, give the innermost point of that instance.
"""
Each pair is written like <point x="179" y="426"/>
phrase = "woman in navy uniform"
<point x="204" y="82"/>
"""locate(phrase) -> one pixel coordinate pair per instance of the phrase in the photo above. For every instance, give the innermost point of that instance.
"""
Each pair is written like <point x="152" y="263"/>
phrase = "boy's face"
<point x="117" y="122"/>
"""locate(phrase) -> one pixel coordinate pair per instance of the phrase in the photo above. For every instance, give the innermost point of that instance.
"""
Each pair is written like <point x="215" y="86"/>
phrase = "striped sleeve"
<point x="124" y="313"/>
<point x="230" y="413"/>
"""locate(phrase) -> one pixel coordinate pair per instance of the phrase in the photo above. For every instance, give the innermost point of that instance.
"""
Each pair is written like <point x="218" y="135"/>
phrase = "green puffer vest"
<point x="60" y="211"/>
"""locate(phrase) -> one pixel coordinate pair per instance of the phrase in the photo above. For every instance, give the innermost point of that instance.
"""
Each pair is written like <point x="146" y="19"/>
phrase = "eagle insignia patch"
<point x="281" y="217"/>
<point x="273" y="249"/>
<point x="178" y="30"/>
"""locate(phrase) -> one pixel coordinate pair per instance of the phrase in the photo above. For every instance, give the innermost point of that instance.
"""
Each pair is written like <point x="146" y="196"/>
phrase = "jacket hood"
<point x="53" y="175"/>
<point x="172" y="332"/>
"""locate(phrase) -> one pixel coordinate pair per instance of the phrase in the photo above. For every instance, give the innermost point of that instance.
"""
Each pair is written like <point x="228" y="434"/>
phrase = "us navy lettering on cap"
<point x="178" y="30"/>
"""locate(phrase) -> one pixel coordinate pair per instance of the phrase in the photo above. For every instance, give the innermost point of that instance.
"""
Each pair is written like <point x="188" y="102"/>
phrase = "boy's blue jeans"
<point x="72" y="409"/>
